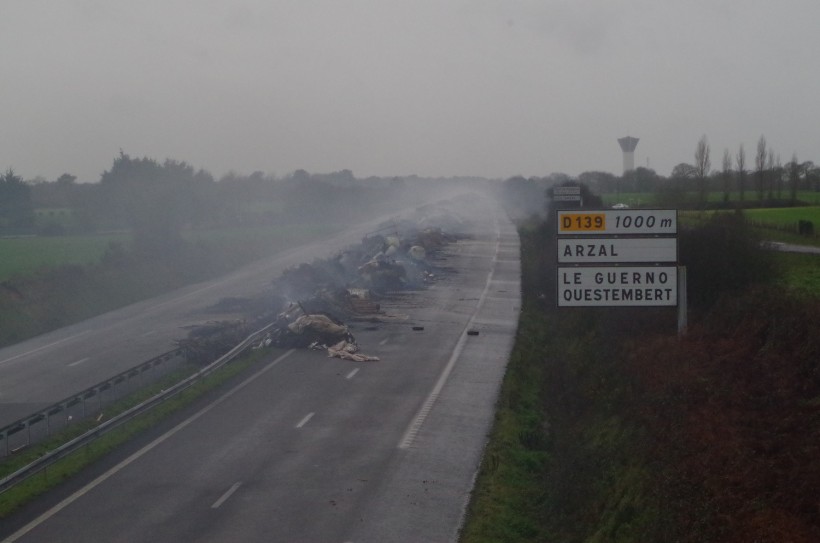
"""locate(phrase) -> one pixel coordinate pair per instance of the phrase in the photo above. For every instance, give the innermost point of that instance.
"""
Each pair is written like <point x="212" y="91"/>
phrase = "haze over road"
<point x="309" y="448"/>
<point x="38" y="372"/>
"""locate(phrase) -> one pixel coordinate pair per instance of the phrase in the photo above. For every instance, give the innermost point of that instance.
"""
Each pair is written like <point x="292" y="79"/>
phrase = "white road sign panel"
<point x="621" y="250"/>
<point x="567" y="190"/>
<point x="618" y="222"/>
<point x="609" y="286"/>
<point x="566" y="198"/>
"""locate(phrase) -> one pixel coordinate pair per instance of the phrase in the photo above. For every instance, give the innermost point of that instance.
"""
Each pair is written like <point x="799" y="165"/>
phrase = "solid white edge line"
<point x="414" y="427"/>
<point x="108" y="474"/>
<point x="305" y="420"/>
<point x="226" y="495"/>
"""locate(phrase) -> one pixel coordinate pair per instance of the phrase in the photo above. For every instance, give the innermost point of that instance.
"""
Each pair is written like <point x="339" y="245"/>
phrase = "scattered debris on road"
<point x="310" y="303"/>
<point x="348" y="287"/>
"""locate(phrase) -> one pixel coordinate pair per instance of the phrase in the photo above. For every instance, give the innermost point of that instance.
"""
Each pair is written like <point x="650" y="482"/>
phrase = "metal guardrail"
<point x="78" y="442"/>
<point x="44" y="416"/>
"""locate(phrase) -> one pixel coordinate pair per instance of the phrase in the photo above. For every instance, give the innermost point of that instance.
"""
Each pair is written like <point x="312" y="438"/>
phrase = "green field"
<point x="23" y="256"/>
<point x="783" y="216"/>
<point x="775" y="224"/>
<point x="632" y="199"/>
<point x="26" y="255"/>
<point x="800" y="272"/>
<point x="648" y="199"/>
<point x="772" y="224"/>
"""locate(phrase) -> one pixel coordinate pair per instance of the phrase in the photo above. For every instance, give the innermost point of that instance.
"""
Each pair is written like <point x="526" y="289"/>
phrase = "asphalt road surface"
<point x="309" y="448"/>
<point x="43" y="370"/>
<point x="36" y="373"/>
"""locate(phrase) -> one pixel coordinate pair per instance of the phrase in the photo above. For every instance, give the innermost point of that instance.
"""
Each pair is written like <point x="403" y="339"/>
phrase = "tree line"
<point x="761" y="179"/>
<point x="16" y="208"/>
<point x="742" y="179"/>
<point x="157" y="201"/>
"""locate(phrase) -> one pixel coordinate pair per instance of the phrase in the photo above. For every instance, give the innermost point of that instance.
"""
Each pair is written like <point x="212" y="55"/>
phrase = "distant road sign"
<point x="566" y="194"/>
<point x="617" y="286"/>
<point x="618" y="222"/>
<point x="606" y="250"/>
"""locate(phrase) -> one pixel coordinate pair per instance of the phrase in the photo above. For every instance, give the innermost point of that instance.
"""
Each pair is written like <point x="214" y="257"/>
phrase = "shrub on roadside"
<point x="723" y="256"/>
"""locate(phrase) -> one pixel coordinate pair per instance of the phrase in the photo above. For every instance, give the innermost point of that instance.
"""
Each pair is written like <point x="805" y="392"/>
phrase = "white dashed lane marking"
<point x="305" y="420"/>
<point x="226" y="495"/>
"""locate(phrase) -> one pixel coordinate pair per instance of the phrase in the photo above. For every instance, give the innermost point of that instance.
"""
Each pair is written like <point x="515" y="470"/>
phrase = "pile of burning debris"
<point x="294" y="328"/>
<point x="329" y="292"/>
<point x="208" y="342"/>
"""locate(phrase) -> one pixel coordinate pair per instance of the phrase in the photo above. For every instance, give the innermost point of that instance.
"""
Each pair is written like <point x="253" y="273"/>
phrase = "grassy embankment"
<point x="611" y="428"/>
<point x="563" y="463"/>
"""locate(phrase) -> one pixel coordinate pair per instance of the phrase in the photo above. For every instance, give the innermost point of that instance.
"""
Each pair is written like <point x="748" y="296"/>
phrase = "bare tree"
<point x="760" y="168"/>
<point x="703" y="165"/>
<point x="794" y="178"/>
<point x="740" y="160"/>
<point x="726" y="174"/>
<point x="770" y="174"/>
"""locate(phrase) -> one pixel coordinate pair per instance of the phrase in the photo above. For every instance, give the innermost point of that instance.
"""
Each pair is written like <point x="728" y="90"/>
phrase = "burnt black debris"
<point x="309" y="303"/>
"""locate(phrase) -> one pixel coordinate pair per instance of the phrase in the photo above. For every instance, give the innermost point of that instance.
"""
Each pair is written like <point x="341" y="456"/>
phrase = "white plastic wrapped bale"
<point x="320" y="324"/>
<point x="417" y="252"/>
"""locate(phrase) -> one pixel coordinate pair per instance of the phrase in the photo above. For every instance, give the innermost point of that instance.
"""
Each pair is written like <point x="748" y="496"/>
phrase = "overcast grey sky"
<point x="384" y="87"/>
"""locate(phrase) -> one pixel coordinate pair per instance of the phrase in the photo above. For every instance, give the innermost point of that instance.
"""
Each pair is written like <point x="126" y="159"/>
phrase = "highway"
<point x="308" y="448"/>
<point x="46" y="369"/>
<point x="43" y="370"/>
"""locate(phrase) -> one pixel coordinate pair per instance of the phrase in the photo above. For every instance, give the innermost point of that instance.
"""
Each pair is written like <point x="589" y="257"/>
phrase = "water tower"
<point x="628" y="145"/>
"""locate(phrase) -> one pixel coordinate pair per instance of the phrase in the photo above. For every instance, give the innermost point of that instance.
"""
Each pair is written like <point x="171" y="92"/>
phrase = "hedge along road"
<point x="38" y="372"/>
<point x="316" y="449"/>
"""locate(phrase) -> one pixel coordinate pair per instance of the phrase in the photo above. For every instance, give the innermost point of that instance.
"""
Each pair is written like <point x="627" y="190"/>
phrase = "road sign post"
<point x="616" y="250"/>
<point x="618" y="258"/>
<point x="618" y="286"/>
<point x="618" y="222"/>
<point x="567" y="194"/>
